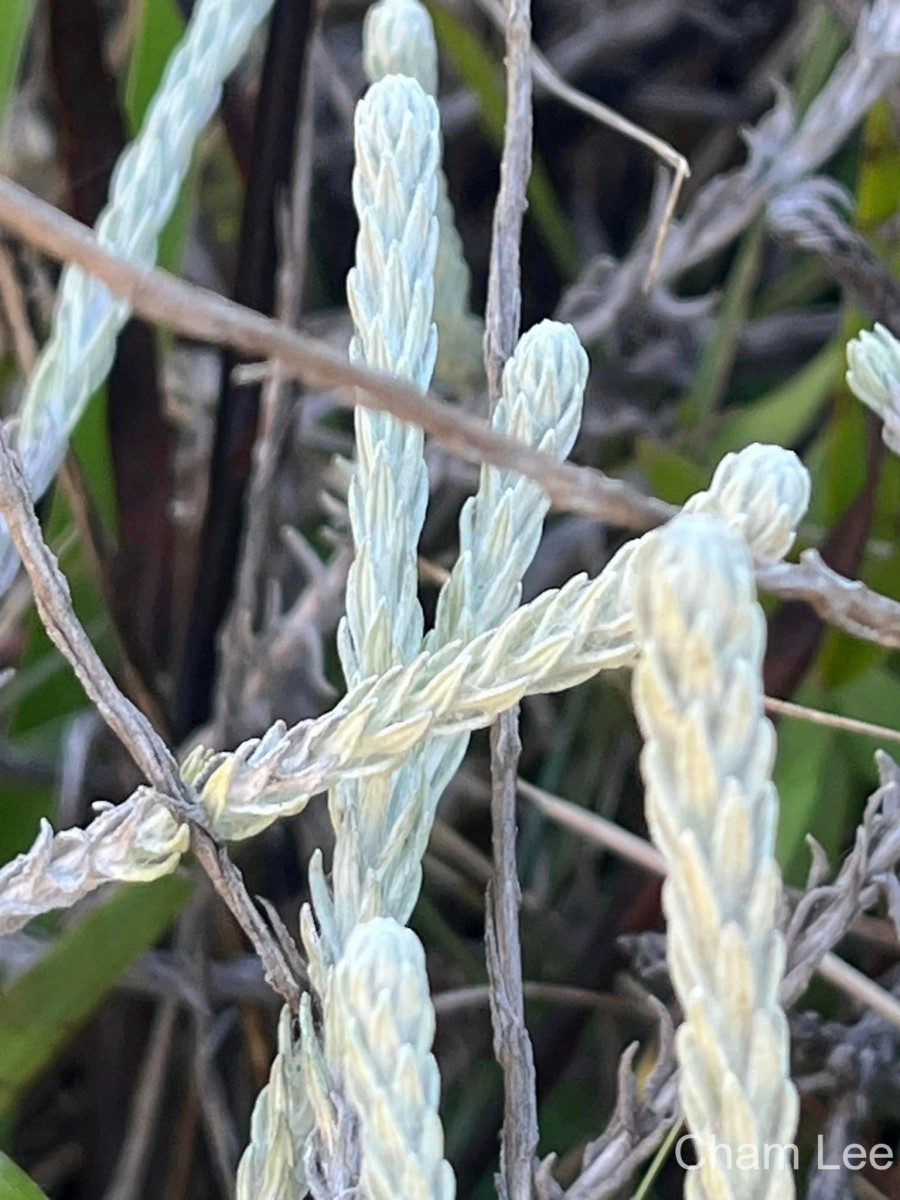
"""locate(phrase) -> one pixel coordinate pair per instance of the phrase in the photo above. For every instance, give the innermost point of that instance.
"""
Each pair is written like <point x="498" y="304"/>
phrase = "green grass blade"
<point x="158" y="30"/>
<point x="717" y="359"/>
<point x="16" y="19"/>
<point x="15" y="1184"/>
<point x="659" y="1161"/>
<point x="670" y="475"/>
<point x="48" y="1004"/>
<point x="816" y="781"/>
<point x="786" y="413"/>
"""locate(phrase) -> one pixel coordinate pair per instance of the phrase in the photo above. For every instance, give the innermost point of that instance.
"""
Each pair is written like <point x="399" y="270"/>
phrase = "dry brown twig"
<point x="512" y="1045"/>
<point x="782" y="151"/>
<point x="610" y="836"/>
<point x="552" y="82"/>
<point x="134" y="731"/>
<point x="637" y="1127"/>
<point x="201" y="314"/>
<point x="504" y="299"/>
<point x="13" y="303"/>
<point x="198" y="313"/>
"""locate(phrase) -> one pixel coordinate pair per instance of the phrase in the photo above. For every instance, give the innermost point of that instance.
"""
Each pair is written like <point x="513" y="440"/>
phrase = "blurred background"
<point x="138" y="1027"/>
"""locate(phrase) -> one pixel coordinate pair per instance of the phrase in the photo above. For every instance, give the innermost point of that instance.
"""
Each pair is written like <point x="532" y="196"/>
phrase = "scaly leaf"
<point x="159" y="29"/>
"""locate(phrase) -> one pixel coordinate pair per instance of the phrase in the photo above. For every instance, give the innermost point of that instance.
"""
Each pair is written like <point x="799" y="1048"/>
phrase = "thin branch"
<point x="512" y="1045"/>
<point x="815" y="716"/>
<point x="463" y="999"/>
<point x="137" y="735"/>
<point x="201" y="314"/>
<point x="545" y="75"/>
<point x="865" y="991"/>
<point x="504" y="299"/>
<point x="845" y="603"/>
<point x="603" y="833"/>
<point x="207" y="1035"/>
<point x="594" y="827"/>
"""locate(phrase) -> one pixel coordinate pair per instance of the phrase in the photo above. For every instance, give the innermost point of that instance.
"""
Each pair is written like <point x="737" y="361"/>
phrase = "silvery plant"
<point x="712" y="810"/>
<point x="873" y="359"/>
<point x="352" y="1101"/>
<point x="143" y="193"/>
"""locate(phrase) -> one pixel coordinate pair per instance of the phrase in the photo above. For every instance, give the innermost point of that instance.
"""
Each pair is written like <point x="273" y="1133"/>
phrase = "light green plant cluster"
<point x="556" y="641"/>
<point x="391" y="294"/>
<point x="273" y="1166"/>
<point x="380" y="1032"/>
<point x="873" y="359"/>
<point x="762" y="493"/>
<point x="143" y="193"/>
<point x="712" y="811"/>
<point x="398" y="39"/>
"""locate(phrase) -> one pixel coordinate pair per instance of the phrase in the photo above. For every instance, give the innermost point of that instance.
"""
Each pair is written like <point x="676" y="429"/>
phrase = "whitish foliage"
<point x="763" y="494"/>
<point x="271" y="1168"/>
<point x="874" y="376"/>
<point x="398" y="39"/>
<point x="143" y="192"/>
<point x="131" y="843"/>
<point x="712" y="810"/>
<point x="380" y="1031"/>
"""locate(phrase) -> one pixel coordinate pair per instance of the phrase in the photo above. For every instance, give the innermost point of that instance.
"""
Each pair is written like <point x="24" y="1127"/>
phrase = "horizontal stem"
<point x="198" y="313"/>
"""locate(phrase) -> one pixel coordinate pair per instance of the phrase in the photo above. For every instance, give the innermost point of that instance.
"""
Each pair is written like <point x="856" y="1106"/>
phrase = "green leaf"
<point x="785" y="414"/>
<point x="48" y="1004"/>
<point x="159" y="26"/>
<point x="873" y="697"/>
<point x="825" y="48"/>
<point x="16" y="19"/>
<point x="818" y="784"/>
<point x="717" y="359"/>
<point x="877" y="188"/>
<point x="15" y="1184"/>
<point x="845" y="441"/>
<point x="802" y="750"/>
<point x="671" y="476"/>
<point x="90" y="443"/>
<point x="480" y="72"/>
<point x="565" y="1118"/>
